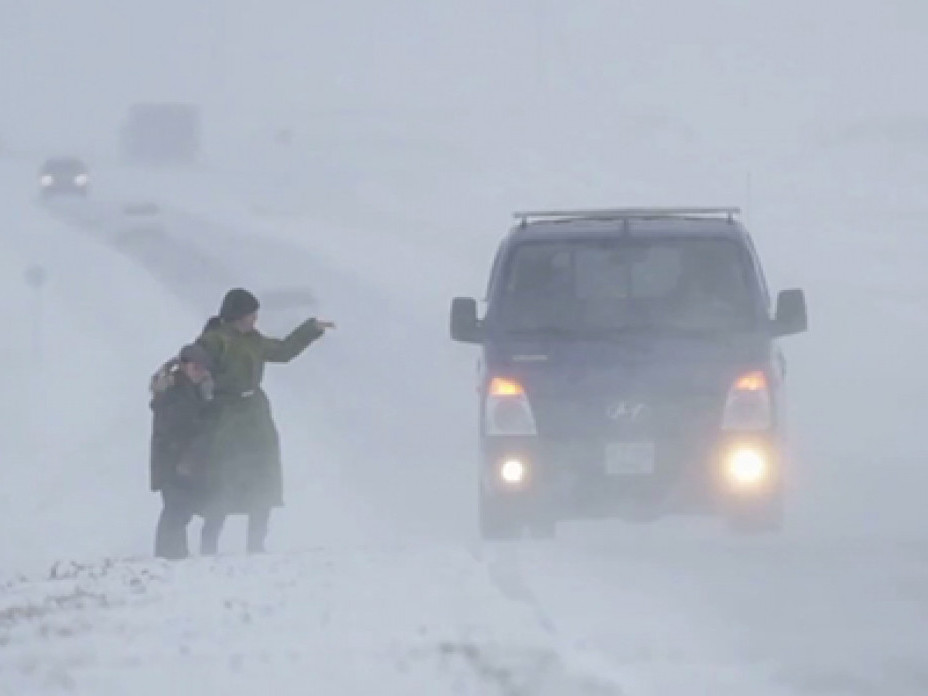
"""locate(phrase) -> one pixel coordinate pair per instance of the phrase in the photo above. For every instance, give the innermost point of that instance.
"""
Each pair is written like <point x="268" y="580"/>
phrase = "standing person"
<point x="180" y="445"/>
<point x="246" y="473"/>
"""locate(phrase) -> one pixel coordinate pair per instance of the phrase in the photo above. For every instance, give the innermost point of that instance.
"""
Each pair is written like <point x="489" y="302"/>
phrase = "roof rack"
<point x="624" y="213"/>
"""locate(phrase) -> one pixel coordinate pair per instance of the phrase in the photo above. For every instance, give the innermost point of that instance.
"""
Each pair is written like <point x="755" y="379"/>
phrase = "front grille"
<point x="627" y="418"/>
<point x="574" y="436"/>
<point x="578" y="469"/>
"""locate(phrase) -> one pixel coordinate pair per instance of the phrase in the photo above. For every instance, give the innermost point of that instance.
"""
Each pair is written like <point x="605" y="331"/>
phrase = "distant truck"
<point x="161" y="133"/>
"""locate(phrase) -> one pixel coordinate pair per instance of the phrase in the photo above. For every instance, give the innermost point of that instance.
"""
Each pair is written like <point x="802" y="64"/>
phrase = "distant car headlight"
<point x="81" y="179"/>
<point x="46" y="180"/>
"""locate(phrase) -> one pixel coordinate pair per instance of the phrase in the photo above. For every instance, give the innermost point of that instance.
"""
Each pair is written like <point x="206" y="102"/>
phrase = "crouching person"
<point x="180" y="443"/>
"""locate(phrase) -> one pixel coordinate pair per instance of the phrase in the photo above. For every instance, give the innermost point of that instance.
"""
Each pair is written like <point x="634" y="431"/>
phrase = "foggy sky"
<point x="742" y="73"/>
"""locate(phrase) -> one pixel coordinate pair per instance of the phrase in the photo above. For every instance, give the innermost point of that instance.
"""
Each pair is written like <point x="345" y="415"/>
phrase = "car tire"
<point x="497" y="522"/>
<point x="544" y="527"/>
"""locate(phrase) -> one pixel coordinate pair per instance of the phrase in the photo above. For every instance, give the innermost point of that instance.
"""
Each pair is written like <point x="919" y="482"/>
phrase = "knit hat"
<point x="237" y="304"/>
<point x="195" y="353"/>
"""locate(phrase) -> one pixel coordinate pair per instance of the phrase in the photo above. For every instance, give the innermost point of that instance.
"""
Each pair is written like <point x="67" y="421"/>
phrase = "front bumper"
<point x="63" y="190"/>
<point x="572" y="477"/>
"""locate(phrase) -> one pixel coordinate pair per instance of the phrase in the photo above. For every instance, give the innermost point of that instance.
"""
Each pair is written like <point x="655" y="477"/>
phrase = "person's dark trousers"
<point x="171" y="532"/>
<point x="209" y="535"/>
<point x="258" y="521"/>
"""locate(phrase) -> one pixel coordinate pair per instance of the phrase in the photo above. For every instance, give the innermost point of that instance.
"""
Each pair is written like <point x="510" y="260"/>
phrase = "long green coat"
<point x="245" y="467"/>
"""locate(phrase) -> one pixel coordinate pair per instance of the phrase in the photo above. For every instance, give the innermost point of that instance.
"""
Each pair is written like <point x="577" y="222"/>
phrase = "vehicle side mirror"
<point x="791" y="317"/>
<point x="465" y="327"/>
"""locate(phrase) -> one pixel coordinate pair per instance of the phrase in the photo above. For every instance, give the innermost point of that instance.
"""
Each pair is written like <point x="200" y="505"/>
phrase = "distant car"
<point x="64" y="175"/>
<point x="629" y="368"/>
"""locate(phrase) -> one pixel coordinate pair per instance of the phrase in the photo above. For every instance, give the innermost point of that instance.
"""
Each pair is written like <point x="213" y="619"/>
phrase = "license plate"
<point x="630" y="458"/>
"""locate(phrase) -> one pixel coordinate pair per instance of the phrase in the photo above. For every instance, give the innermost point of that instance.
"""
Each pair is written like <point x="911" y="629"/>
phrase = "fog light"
<point x="747" y="466"/>
<point x="47" y="180"/>
<point x="512" y="471"/>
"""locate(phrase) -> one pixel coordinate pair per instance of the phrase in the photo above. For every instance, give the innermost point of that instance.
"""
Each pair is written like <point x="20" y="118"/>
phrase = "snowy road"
<point x="787" y="616"/>
<point x="360" y="161"/>
<point x="576" y="618"/>
<point x="397" y="597"/>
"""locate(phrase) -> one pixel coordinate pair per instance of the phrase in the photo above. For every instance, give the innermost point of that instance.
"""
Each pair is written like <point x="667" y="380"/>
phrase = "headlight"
<point x="81" y="179"/>
<point x="46" y="180"/>
<point x="749" y="405"/>
<point x="747" y="466"/>
<point x="507" y="408"/>
<point x="512" y="471"/>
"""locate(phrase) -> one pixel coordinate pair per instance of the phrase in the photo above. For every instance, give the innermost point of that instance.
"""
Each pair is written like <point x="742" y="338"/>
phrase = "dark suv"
<point x="630" y="368"/>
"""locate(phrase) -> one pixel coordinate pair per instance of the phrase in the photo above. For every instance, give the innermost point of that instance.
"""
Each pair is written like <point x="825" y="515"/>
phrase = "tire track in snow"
<point x="504" y="568"/>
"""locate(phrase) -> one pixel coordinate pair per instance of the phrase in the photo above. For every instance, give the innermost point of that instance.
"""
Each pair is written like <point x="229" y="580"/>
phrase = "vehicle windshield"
<point x="614" y="286"/>
<point x="64" y="166"/>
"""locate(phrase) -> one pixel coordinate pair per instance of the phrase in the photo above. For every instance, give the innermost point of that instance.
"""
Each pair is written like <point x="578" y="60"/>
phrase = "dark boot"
<point x="209" y="535"/>
<point x="258" y="521"/>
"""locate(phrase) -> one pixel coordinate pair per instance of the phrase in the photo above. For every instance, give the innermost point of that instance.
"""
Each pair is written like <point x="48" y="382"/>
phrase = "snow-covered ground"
<point x="387" y="620"/>
<point x="378" y="581"/>
<point x="410" y="150"/>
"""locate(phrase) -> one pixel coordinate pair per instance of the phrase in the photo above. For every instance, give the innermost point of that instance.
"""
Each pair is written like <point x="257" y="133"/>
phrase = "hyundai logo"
<point x="627" y="411"/>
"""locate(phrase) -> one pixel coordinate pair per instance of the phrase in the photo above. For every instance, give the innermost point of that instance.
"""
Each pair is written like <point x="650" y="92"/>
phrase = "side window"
<point x="540" y="270"/>
<point x="759" y="272"/>
<point x="493" y="280"/>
